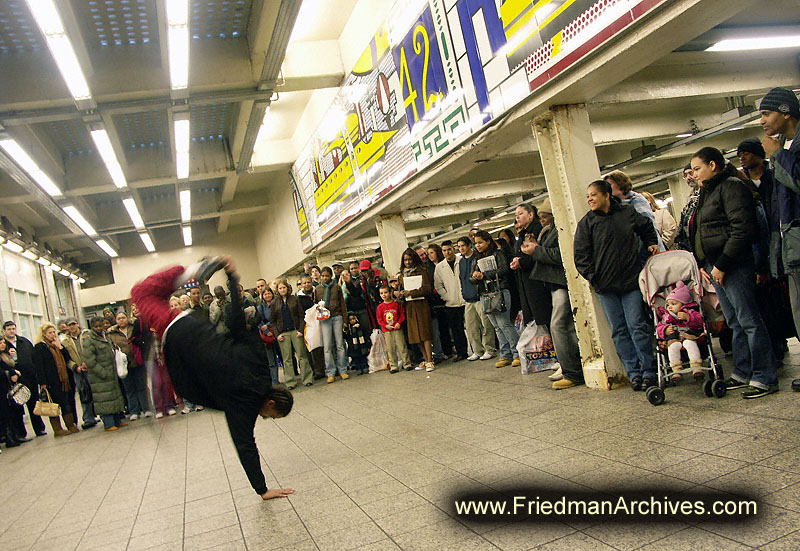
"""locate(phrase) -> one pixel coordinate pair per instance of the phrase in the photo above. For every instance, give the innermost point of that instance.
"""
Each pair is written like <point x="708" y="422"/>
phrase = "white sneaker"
<point x="171" y="411"/>
<point x="133" y="417"/>
<point x="557" y="375"/>
<point x="199" y="407"/>
<point x="473" y="358"/>
<point x="487" y="356"/>
<point x="185" y="410"/>
<point x="159" y="415"/>
<point x="147" y="414"/>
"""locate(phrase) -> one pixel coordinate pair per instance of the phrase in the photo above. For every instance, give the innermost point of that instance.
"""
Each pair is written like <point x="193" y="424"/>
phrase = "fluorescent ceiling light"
<point x="187" y="236"/>
<point x="73" y="277"/>
<point x="186" y="205"/>
<point x="43" y="261"/>
<point x="54" y="267"/>
<point x="30" y="255"/>
<point x="49" y="22"/>
<point x="106" y="248"/>
<point x="178" y="41"/>
<point x="29" y="165"/>
<point x="64" y="272"/>
<point x="761" y="43"/>
<point x="78" y="218"/>
<point x="13" y="247"/>
<point x="103" y="144"/>
<point x="81" y="280"/>
<point x="148" y="242"/>
<point x="684" y="135"/>
<point x="133" y="212"/>
<point x="182" y="139"/>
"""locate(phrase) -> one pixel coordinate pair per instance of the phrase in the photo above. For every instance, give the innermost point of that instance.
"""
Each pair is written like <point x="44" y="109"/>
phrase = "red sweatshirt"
<point x="390" y="313"/>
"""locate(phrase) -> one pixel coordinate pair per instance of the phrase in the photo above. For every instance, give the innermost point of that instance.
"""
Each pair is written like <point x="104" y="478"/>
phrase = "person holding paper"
<point x="416" y="286"/>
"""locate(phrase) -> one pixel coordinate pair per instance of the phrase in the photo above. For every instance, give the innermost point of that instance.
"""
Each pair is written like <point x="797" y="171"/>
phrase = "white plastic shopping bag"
<point x="313" y="334"/>
<point x="378" y="359"/>
<point x="536" y="351"/>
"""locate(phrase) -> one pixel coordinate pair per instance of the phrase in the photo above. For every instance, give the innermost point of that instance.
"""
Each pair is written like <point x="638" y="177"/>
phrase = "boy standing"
<point x="390" y="317"/>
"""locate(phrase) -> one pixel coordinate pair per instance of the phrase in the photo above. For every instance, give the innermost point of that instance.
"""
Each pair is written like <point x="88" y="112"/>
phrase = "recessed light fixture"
<point x="685" y="135"/>
<point x="187" y="236"/>
<point x="178" y="42"/>
<point x="29" y="165"/>
<point x="148" y="242"/>
<point x="103" y="143"/>
<point x="133" y="212"/>
<point x="186" y="205"/>
<point x="13" y="247"/>
<point x="182" y="140"/>
<point x="106" y="248"/>
<point x="78" y="218"/>
<point x="760" y="43"/>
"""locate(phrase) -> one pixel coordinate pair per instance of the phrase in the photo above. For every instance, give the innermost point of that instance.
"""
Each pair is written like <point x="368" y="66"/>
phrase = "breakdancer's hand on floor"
<point x="277" y="492"/>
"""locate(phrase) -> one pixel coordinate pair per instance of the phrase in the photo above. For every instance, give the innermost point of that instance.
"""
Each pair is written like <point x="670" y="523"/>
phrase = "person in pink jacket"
<point x="679" y="326"/>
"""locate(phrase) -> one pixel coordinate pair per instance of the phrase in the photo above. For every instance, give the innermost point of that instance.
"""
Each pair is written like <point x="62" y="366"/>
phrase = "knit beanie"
<point x="781" y="100"/>
<point x="680" y="293"/>
<point x="752" y="145"/>
<point x="545" y="207"/>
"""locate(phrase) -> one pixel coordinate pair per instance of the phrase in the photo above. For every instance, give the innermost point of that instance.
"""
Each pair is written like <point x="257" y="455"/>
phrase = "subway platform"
<point x="376" y="461"/>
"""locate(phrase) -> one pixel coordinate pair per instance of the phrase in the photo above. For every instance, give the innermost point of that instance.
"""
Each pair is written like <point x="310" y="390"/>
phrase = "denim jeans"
<point x="273" y="363"/>
<point x="111" y="420"/>
<point x="631" y="332"/>
<point x="81" y="381"/>
<point x="136" y="390"/>
<point x="332" y="336"/>
<point x="506" y="334"/>
<point x="753" y="357"/>
<point x="565" y="340"/>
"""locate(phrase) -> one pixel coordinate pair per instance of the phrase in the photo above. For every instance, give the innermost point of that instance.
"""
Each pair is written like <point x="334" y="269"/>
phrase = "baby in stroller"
<point x="679" y="326"/>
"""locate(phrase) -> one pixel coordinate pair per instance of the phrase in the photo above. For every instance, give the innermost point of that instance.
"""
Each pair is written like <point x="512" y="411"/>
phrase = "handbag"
<point x="266" y="334"/>
<point x="85" y="390"/>
<point x="121" y="361"/>
<point x="47" y="408"/>
<point x="494" y="301"/>
<point x="19" y="394"/>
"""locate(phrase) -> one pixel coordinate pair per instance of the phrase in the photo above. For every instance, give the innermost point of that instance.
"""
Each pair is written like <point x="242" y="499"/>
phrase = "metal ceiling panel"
<point x="211" y="122"/>
<point x="143" y="130"/>
<point x="70" y="136"/>
<point x="18" y="31"/>
<point x="210" y="19"/>
<point x="117" y="23"/>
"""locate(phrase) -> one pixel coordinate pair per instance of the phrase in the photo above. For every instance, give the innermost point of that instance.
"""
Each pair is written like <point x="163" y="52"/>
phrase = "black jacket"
<point x="606" y="251"/>
<point x="548" y="266"/>
<point x="226" y="372"/>
<point x="25" y="365"/>
<point x="533" y="295"/>
<point x="47" y="372"/>
<point x="725" y="222"/>
<point x="490" y="278"/>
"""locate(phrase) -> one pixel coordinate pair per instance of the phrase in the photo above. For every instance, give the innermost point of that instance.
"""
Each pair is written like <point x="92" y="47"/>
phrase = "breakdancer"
<point x="225" y="372"/>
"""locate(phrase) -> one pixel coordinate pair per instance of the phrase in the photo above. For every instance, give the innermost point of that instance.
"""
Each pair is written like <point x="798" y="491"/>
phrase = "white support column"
<point x="570" y="163"/>
<point x="680" y="192"/>
<point x="392" y="235"/>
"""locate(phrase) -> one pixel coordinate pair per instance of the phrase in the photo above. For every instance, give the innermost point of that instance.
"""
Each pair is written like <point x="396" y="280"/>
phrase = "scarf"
<point x="327" y="287"/>
<point x="541" y="233"/>
<point x="61" y="365"/>
<point x="409" y="272"/>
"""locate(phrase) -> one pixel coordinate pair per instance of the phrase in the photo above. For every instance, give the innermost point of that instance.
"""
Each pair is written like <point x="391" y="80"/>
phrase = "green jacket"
<point x="99" y="357"/>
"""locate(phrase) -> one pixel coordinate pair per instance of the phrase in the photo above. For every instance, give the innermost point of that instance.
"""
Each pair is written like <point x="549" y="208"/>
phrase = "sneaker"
<point x="308" y="384"/>
<point x="331" y="379"/>
<point x="515" y="362"/>
<point x="133" y="417"/>
<point x="420" y="367"/>
<point x="198" y="273"/>
<point x="199" y="407"/>
<point x="636" y="383"/>
<point x="409" y="368"/>
<point x="502" y="362"/>
<point x="487" y="356"/>
<point x="563" y="384"/>
<point x="345" y="376"/>
<point x="147" y="414"/>
<point x="171" y="411"/>
<point x="473" y="357"/>
<point x="556" y="375"/>
<point x="796" y="385"/>
<point x="756" y="392"/>
<point x="291" y="387"/>
<point x="185" y="410"/>
<point x="159" y="415"/>
<point x="429" y="366"/>
<point x="733" y="384"/>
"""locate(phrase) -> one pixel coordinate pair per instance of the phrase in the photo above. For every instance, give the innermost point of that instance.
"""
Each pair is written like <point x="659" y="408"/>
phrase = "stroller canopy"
<point x="668" y="268"/>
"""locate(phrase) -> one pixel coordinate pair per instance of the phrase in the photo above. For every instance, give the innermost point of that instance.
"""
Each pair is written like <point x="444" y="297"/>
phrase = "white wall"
<point x="278" y="235"/>
<point x="237" y="243"/>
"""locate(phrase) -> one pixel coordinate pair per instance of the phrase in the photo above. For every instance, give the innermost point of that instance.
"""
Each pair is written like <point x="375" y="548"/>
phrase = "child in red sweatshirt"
<point x="390" y="317"/>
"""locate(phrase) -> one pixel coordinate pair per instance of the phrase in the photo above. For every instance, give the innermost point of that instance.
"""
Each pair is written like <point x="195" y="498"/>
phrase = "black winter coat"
<point x="606" y="251"/>
<point x="490" y="278"/>
<point x="725" y="221"/>
<point x="24" y="365"/>
<point x="548" y="265"/>
<point x="47" y="372"/>
<point x="533" y="295"/>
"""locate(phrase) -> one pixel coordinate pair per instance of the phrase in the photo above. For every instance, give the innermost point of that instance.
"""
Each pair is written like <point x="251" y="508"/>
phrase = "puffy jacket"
<point x="98" y="353"/>
<point x="724" y="226"/>
<point x="490" y="278"/>
<point x="447" y="283"/>
<point x="606" y="250"/>
<point x="666" y="319"/>
<point x="548" y="266"/>
<point x="784" y="210"/>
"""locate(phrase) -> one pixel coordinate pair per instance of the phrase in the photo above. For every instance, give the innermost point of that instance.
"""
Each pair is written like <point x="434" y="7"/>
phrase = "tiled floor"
<point x="376" y="459"/>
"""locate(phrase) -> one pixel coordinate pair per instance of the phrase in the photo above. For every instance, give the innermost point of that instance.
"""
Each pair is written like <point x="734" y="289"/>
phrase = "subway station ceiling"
<point x="134" y="111"/>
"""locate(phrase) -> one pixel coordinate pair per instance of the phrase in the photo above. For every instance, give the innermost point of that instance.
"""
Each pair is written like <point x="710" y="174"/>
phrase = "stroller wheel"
<point x="655" y="395"/>
<point x="707" y="388"/>
<point x="718" y="388"/>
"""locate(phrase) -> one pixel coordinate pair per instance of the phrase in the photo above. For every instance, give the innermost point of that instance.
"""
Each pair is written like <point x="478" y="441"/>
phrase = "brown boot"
<point x="69" y="420"/>
<point x="58" y="430"/>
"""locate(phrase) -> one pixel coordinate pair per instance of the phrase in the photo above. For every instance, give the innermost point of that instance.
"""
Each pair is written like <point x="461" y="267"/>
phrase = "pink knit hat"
<point x="680" y="293"/>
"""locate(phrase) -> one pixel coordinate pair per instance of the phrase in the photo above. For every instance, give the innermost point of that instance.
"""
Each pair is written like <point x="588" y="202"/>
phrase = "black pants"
<point x="444" y="330"/>
<point x="18" y="422"/>
<point x="455" y="321"/>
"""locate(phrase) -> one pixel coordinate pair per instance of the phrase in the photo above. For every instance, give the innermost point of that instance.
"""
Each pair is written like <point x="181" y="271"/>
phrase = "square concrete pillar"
<point x="392" y="235"/>
<point x="680" y="192"/>
<point x="570" y="163"/>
